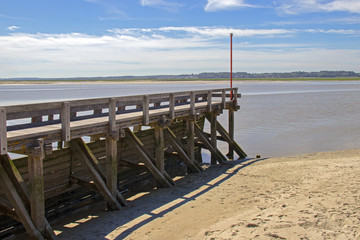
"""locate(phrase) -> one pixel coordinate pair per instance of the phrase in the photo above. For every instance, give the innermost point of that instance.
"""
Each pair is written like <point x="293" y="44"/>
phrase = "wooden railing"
<point x="18" y="117"/>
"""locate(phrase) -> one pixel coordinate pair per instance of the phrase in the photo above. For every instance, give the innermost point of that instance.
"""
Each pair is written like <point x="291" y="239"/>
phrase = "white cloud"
<point x="297" y="7"/>
<point x="166" y="5"/>
<point x="217" y="5"/>
<point x="205" y="32"/>
<point x="13" y="28"/>
<point x="167" y="50"/>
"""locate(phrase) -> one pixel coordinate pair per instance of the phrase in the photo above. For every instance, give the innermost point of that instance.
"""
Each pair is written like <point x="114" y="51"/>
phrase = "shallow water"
<point x="275" y="119"/>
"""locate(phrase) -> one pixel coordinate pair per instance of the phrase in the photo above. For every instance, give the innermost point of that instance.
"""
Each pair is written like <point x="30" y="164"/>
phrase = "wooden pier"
<point x="103" y="147"/>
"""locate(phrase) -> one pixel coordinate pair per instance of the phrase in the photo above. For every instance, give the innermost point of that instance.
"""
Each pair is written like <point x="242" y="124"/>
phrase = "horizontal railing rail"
<point x="19" y="117"/>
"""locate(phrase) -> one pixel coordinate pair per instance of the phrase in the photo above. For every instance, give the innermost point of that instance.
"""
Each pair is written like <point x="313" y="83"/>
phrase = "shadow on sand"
<point x="96" y="223"/>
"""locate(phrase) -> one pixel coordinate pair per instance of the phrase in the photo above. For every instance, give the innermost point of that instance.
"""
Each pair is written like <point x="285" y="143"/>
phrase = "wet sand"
<point x="313" y="196"/>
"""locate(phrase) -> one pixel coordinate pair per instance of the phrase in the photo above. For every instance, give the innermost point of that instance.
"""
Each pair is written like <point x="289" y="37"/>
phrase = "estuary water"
<point x="275" y="118"/>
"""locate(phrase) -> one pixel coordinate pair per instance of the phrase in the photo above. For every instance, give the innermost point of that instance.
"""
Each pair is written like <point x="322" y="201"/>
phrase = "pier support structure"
<point x="174" y="125"/>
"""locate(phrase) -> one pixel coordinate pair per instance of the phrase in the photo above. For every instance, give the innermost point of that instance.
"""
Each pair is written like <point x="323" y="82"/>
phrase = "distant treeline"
<point x="217" y="75"/>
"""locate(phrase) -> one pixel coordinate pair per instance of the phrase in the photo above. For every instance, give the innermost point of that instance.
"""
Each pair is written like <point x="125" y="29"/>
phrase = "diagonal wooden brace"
<point x="218" y="155"/>
<point x="177" y="145"/>
<point x="164" y="179"/>
<point x="83" y="152"/>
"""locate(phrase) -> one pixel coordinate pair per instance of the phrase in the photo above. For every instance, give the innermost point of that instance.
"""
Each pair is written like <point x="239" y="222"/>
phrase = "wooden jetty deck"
<point x="60" y="165"/>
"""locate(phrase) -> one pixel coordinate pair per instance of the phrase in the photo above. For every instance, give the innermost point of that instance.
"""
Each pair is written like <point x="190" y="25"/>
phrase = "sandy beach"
<point x="312" y="196"/>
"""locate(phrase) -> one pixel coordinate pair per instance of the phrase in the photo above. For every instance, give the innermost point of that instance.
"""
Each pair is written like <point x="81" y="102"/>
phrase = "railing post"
<point x="65" y="121"/>
<point x="171" y="106"/>
<point x="209" y="101"/>
<point x="146" y="103"/>
<point x="235" y="95"/>
<point x="3" y="132"/>
<point x="192" y="103"/>
<point x="112" y="114"/>
<point x="223" y="99"/>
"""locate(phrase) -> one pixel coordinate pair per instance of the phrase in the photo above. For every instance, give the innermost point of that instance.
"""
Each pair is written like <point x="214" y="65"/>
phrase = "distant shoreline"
<point x="141" y="81"/>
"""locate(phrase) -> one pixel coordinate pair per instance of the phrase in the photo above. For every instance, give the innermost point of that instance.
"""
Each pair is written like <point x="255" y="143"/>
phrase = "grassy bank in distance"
<point x="100" y="80"/>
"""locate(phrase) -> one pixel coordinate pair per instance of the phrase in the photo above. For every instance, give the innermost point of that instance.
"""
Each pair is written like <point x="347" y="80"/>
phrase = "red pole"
<point x="231" y="94"/>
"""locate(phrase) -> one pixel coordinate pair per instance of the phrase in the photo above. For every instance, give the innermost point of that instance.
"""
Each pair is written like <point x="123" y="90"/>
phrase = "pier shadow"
<point x="148" y="207"/>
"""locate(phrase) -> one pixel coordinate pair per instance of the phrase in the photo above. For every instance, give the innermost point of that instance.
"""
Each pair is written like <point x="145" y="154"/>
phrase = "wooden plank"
<point x="147" y="160"/>
<point x="177" y="145"/>
<point x="82" y="152"/>
<point x="36" y="185"/>
<point x="3" y="132"/>
<point x="18" y="204"/>
<point x="146" y="110"/>
<point x="219" y="156"/>
<point x="65" y="122"/>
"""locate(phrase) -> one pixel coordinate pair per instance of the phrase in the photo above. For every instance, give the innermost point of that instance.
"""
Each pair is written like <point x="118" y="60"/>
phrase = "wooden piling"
<point x="36" y="185"/>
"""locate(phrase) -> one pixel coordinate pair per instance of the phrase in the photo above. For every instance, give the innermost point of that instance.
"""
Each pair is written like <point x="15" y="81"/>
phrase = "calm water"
<point x="275" y="119"/>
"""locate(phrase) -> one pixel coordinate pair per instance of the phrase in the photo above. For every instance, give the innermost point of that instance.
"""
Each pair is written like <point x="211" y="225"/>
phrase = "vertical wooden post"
<point x="192" y="104"/>
<point x="223" y="99"/>
<point x="235" y="95"/>
<point x="3" y="132"/>
<point x="36" y="185"/>
<point x="146" y="110"/>
<point x="209" y="101"/>
<point x="36" y="119"/>
<point x="159" y="149"/>
<point x="111" y="150"/>
<point x="213" y="139"/>
<point x="171" y="106"/>
<point x="231" y="132"/>
<point x="65" y="121"/>
<point x="191" y="139"/>
<point x="18" y="204"/>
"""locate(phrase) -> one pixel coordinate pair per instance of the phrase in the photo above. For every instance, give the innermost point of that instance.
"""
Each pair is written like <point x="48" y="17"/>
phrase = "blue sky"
<point x="88" y="38"/>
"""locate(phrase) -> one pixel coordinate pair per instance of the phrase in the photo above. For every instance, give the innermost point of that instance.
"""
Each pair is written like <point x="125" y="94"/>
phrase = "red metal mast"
<point x="231" y="95"/>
